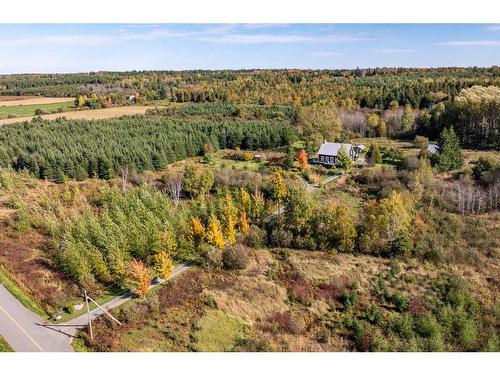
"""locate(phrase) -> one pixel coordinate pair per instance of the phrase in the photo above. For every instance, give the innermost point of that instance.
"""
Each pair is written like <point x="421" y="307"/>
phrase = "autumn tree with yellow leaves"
<point x="230" y="218"/>
<point x="197" y="231"/>
<point x="385" y="230"/>
<point x="138" y="277"/>
<point x="243" y="224"/>
<point x="163" y="265"/>
<point x="214" y="234"/>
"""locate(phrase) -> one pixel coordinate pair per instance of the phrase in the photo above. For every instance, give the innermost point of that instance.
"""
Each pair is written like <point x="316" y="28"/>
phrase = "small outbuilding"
<point x="433" y="148"/>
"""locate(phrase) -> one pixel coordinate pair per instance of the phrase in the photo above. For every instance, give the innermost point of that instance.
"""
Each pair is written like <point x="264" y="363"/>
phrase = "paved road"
<point x="24" y="331"/>
<point x="71" y="327"/>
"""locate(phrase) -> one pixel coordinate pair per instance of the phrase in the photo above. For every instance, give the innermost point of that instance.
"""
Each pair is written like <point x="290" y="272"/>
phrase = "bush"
<point x="333" y="290"/>
<point x="210" y="256"/>
<point x="235" y="257"/>
<point x="280" y="323"/>
<point x="247" y="156"/>
<point x="281" y="237"/>
<point x="301" y="292"/>
<point x="256" y="237"/>
<point x="40" y="111"/>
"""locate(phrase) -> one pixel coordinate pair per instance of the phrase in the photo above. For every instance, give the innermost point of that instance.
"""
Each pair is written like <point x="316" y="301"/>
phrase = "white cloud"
<point x="225" y="34"/>
<point x="471" y="43"/>
<point x="493" y="28"/>
<point x="325" y="54"/>
<point x="277" y="38"/>
<point x="392" y="50"/>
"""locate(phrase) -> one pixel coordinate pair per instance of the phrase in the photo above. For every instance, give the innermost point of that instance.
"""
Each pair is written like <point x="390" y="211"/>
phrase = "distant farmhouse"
<point x="328" y="152"/>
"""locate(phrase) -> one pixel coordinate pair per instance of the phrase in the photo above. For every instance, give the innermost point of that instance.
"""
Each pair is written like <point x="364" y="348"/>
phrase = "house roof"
<point x="433" y="148"/>
<point x="332" y="148"/>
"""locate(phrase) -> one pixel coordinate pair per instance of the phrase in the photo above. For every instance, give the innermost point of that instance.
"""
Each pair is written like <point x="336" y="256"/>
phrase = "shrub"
<point x="280" y="323"/>
<point x="40" y="111"/>
<point x="333" y="290"/>
<point x="418" y="306"/>
<point x="281" y="237"/>
<point x="256" y="237"/>
<point x="426" y="326"/>
<point x="420" y="142"/>
<point x="301" y="292"/>
<point x="247" y="156"/>
<point x="210" y="256"/>
<point x="402" y="325"/>
<point x="235" y="257"/>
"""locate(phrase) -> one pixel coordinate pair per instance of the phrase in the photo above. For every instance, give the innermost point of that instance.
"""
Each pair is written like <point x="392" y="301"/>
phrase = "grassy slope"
<point x="29" y="110"/>
<point x="4" y="347"/>
<point x="21" y="295"/>
<point x="218" y="332"/>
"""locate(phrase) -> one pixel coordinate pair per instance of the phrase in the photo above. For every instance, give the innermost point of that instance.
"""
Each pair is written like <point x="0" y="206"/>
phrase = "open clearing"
<point x="9" y="101"/>
<point x="92" y="114"/>
<point x="20" y="111"/>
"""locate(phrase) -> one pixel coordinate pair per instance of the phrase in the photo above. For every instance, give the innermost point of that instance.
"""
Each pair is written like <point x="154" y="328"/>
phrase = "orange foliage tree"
<point x="302" y="159"/>
<point x="138" y="277"/>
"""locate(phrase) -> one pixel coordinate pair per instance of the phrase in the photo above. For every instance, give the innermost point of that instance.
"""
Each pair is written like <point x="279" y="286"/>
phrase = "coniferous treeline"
<point x="222" y="110"/>
<point x="81" y="149"/>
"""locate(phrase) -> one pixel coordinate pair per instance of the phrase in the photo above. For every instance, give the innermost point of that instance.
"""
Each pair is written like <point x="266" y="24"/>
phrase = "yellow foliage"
<point x="138" y="277"/>
<point x="230" y="213"/>
<point x="243" y="223"/>
<point x="163" y="265"/>
<point x="197" y="230"/>
<point x="278" y="187"/>
<point x="168" y="242"/>
<point x="214" y="233"/>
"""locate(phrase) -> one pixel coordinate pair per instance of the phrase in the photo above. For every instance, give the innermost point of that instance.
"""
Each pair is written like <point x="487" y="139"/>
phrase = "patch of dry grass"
<point x="91" y="114"/>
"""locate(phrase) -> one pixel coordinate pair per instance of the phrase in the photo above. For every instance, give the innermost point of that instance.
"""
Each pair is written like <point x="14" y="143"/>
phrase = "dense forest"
<point x="81" y="149"/>
<point x="372" y="88"/>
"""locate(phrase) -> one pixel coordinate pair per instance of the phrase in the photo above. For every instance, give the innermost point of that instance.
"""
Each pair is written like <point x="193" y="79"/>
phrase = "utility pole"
<point x="88" y="314"/>
<point x="104" y="311"/>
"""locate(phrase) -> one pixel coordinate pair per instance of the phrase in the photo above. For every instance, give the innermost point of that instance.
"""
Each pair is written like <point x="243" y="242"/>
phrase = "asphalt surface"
<point x="25" y="331"/>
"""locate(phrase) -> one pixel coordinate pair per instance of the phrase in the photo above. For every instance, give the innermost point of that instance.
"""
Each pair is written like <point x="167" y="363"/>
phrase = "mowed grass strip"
<point x="29" y="110"/>
<point x="219" y="332"/>
<point x="21" y="295"/>
<point x="4" y="347"/>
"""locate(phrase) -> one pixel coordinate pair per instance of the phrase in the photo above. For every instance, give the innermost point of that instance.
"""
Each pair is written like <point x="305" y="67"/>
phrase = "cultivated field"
<point x="8" y="101"/>
<point x="20" y="111"/>
<point x="93" y="114"/>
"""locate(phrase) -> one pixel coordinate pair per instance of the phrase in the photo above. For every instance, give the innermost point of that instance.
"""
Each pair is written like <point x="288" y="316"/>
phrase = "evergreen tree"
<point x="104" y="170"/>
<point x="344" y="160"/>
<point x="407" y="118"/>
<point x="450" y="154"/>
<point x="373" y="155"/>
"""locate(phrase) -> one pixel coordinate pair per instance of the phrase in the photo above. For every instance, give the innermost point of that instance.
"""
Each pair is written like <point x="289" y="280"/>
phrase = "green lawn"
<point x="4" y="347"/>
<point x="219" y="332"/>
<point x="29" y="110"/>
<point x="21" y="295"/>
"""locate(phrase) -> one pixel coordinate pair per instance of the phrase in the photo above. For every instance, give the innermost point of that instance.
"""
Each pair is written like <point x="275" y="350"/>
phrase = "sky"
<point x="61" y="48"/>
